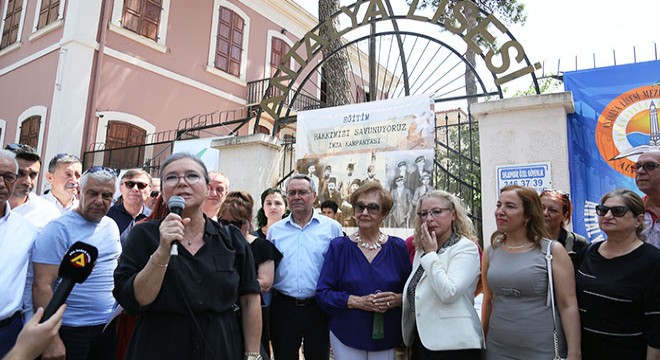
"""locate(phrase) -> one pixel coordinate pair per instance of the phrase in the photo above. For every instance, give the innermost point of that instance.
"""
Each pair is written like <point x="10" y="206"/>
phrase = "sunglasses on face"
<point x="647" y="166"/>
<point x="224" y="222"/>
<point x="20" y="147"/>
<point x="617" y="211"/>
<point x="372" y="208"/>
<point x="140" y="185"/>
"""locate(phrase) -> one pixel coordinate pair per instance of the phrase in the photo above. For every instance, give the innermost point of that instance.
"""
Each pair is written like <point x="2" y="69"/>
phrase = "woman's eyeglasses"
<point x="190" y="178"/>
<point x="617" y="211"/>
<point x="140" y="185"/>
<point x="435" y="213"/>
<point x="372" y="208"/>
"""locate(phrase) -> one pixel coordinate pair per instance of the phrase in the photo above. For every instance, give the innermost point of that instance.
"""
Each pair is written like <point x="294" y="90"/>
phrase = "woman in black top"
<point x="557" y="209"/>
<point x="618" y="285"/>
<point x="186" y="301"/>
<point x="273" y="209"/>
<point x="237" y="210"/>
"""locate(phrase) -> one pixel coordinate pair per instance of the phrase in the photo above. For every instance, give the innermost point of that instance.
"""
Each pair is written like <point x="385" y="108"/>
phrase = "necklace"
<point x="516" y="246"/>
<point x="371" y="246"/>
<point x="189" y="242"/>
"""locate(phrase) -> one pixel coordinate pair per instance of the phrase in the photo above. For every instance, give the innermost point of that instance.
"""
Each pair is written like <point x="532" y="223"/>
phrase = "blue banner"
<point x="615" y="120"/>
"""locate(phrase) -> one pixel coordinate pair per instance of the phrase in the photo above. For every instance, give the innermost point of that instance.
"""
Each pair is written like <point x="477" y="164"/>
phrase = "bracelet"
<point x="153" y="262"/>
<point x="252" y="356"/>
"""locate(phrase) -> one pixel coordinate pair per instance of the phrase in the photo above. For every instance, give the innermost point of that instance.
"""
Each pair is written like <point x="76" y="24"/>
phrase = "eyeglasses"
<point x="140" y="185"/>
<point x="372" y="208"/>
<point x="617" y="211"/>
<point x="95" y="169"/>
<point x="292" y="193"/>
<point x="435" y="213"/>
<point x="32" y="174"/>
<point x="647" y="166"/>
<point x="190" y="178"/>
<point x="20" y="147"/>
<point x="224" y="222"/>
<point x="9" y="177"/>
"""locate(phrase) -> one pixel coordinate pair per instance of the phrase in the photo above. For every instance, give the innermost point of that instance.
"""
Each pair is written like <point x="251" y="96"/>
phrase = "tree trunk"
<point x="335" y="66"/>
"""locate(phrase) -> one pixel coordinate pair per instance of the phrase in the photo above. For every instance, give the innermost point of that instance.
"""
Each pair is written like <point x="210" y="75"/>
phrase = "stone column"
<point x="521" y="130"/>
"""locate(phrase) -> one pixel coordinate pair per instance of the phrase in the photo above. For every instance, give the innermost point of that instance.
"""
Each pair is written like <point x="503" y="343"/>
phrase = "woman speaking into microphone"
<point x="186" y="301"/>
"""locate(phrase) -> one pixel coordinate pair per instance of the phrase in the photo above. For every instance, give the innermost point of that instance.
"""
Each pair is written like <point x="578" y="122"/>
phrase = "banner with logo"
<point x="615" y="120"/>
<point x="389" y="141"/>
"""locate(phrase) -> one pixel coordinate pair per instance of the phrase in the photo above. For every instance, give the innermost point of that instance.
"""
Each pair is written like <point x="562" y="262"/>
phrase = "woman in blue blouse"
<point x="362" y="280"/>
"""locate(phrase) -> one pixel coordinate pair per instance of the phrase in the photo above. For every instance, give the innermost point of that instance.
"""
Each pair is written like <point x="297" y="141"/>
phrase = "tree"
<point x="335" y="66"/>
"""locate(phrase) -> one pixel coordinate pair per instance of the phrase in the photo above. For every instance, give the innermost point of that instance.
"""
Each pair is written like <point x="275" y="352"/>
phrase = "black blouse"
<point x="207" y="284"/>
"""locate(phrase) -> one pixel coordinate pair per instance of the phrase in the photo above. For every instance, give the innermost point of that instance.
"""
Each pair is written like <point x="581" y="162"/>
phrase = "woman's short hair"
<point x="386" y="201"/>
<point x="262" y="220"/>
<point x="463" y="226"/>
<point x="633" y="202"/>
<point x="533" y="209"/>
<point x="239" y="205"/>
<point x="566" y="206"/>
<point x="184" y="155"/>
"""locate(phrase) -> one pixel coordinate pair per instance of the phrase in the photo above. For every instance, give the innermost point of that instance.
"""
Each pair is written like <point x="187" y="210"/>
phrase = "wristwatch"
<point x="252" y="356"/>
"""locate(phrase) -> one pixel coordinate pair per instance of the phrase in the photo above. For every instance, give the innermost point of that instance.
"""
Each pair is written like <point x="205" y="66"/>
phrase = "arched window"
<point x="123" y="145"/>
<point x="29" y="134"/>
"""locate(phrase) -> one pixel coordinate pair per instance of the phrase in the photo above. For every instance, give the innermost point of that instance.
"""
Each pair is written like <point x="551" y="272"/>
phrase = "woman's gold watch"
<point x="252" y="356"/>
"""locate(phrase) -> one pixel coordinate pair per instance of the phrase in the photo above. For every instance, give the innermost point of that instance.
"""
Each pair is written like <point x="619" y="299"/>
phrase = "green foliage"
<point x="507" y="11"/>
<point x="547" y="85"/>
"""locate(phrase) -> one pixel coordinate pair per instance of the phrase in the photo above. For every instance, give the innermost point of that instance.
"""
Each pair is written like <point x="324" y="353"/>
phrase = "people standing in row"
<point x="18" y="236"/>
<point x="218" y="189"/>
<point x="188" y="297"/>
<point x="303" y="239"/>
<point x="517" y="321"/>
<point x="362" y="280"/>
<point x="618" y="285"/>
<point x="557" y="209"/>
<point x="90" y="304"/>
<point x="236" y="210"/>
<point x="64" y="171"/>
<point x="647" y="178"/>
<point x="439" y="319"/>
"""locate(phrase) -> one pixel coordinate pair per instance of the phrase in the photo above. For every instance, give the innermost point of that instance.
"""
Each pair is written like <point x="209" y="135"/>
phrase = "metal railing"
<point x="257" y="89"/>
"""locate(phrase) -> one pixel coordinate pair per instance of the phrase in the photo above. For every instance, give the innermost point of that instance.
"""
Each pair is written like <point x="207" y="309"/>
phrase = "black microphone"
<point x="76" y="266"/>
<point x="176" y="204"/>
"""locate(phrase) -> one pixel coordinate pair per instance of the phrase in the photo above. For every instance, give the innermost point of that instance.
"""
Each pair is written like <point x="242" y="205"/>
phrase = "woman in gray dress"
<point x="516" y="315"/>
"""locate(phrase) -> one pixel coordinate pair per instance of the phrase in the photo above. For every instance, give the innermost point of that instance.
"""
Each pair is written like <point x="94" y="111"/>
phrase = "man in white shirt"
<point x="64" y="175"/>
<point x="16" y="238"/>
<point x="23" y="200"/>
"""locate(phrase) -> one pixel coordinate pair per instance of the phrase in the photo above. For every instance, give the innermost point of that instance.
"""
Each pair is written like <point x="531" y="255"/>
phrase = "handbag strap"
<point x="551" y="287"/>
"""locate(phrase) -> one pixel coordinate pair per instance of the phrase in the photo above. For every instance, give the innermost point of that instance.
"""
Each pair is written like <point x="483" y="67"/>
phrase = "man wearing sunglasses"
<point x="647" y="177"/>
<point x="16" y="238"/>
<point x="23" y="200"/>
<point x="135" y="187"/>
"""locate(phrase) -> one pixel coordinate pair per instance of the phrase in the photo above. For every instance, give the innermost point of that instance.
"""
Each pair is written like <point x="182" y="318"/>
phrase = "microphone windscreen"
<point x="78" y="262"/>
<point x="176" y="204"/>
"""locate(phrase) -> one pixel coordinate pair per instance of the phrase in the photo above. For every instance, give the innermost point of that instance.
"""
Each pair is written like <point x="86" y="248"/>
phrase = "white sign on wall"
<point x="537" y="176"/>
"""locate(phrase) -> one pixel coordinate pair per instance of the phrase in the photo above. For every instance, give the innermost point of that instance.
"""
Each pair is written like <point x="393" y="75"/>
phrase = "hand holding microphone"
<point x="176" y="204"/>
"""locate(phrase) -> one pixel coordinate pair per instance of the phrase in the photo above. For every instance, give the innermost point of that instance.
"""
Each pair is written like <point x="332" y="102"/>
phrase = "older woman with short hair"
<point x="439" y="295"/>
<point x="618" y="285"/>
<point x="362" y="280"/>
<point x="186" y="301"/>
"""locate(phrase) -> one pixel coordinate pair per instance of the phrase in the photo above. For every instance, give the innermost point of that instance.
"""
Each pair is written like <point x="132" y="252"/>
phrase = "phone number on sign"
<point x="525" y="182"/>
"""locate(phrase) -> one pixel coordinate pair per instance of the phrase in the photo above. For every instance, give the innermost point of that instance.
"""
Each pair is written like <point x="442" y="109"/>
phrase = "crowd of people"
<point x="204" y="280"/>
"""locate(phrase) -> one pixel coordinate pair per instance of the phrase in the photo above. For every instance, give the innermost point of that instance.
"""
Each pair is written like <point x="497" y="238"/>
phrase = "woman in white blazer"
<point x="439" y="320"/>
